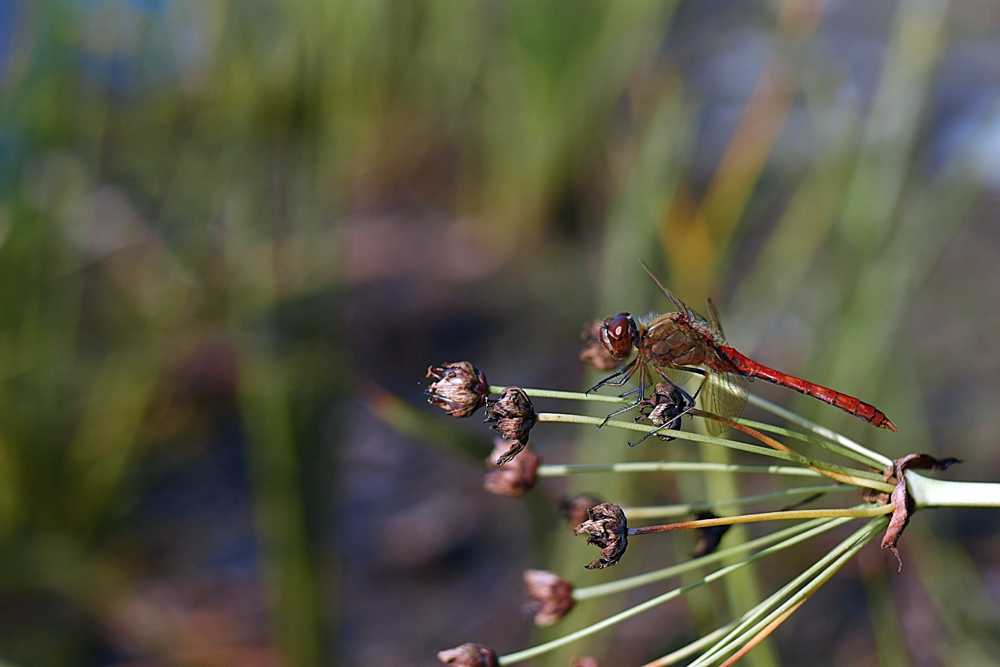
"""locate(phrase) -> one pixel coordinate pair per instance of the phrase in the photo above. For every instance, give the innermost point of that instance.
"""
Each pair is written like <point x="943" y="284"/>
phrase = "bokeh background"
<point x="233" y="236"/>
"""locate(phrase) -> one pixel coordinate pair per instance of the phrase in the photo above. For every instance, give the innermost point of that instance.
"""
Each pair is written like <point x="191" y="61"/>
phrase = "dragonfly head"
<point x="619" y="334"/>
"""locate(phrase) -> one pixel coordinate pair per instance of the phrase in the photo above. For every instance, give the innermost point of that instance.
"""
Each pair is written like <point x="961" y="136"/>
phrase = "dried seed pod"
<point x="608" y="529"/>
<point x="518" y="476"/>
<point x="708" y="536"/>
<point x="459" y="387"/>
<point x="512" y="416"/>
<point x="552" y="596"/>
<point x="902" y="503"/>
<point x="574" y="509"/>
<point x="594" y="353"/>
<point x="665" y="406"/>
<point x="469" y="655"/>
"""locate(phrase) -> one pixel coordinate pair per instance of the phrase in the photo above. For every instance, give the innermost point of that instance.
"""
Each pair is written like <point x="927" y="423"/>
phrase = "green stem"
<point x="930" y="492"/>
<point x="853" y="449"/>
<point x="634" y="611"/>
<point x="821" y="431"/>
<point x="693" y="647"/>
<point x="859" y="477"/>
<point x="566" y="395"/>
<point x="662" y="511"/>
<point x="802" y="437"/>
<point x="790" y="536"/>
<point x="763" y="516"/>
<point x="559" y="470"/>
<point x="825" y="567"/>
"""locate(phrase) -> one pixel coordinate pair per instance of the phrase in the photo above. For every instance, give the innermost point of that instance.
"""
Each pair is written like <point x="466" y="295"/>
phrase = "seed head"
<point x="594" y="352"/>
<point x="708" y="536"/>
<point x="902" y="503"/>
<point x="608" y="529"/>
<point x="459" y="387"/>
<point x="552" y="596"/>
<point x="665" y="406"/>
<point x="518" y="475"/>
<point x="469" y="655"/>
<point x="512" y="416"/>
<point x="574" y="509"/>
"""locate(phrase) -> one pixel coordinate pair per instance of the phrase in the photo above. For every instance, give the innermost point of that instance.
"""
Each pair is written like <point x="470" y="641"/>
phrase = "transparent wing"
<point x="724" y="394"/>
<point x="713" y="322"/>
<point x="681" y="377"/>
<point x="678" y="304"/>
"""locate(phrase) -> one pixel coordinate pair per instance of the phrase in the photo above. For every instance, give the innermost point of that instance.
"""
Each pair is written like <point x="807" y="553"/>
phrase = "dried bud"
<point x="665" y="406"/>
<point x="902" y="504"/>
<point x="552" y="596"/>
<point x="469" y="655"/>
<point x="873" y="495"/>
<point x="512" y="416"/>
<point x="460" y="388"/>
<point x="594" y="352"/>
<point x="708" y="536"/>
<point x="608" y="529"/>
<point x="574" y="509"/>
<point x="517" y="477"/>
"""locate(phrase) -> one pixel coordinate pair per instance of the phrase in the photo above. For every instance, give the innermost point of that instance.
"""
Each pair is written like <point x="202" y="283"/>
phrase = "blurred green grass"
<point x="218" y="212"/>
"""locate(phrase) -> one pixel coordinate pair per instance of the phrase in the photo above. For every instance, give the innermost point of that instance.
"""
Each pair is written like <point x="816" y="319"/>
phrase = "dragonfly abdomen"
<point x="860" y="409"/>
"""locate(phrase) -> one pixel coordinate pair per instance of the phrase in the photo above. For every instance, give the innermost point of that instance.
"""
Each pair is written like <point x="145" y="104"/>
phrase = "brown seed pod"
<point x="469" y="655"/>
<point x="459" y="387"/>
<point x="574" y="509"/>
<point x="512" y="416"/>
<point x="551" y="596"/>
<point x="518" y="475"/>
<point x="608" y="529"/>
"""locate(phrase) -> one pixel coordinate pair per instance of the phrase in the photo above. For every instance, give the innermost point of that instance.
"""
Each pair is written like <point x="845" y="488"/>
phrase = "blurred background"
<point x="234" y="235"/>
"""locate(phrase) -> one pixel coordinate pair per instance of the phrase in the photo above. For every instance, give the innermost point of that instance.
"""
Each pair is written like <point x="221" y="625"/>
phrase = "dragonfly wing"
<point x="713" y="321"/>
<point x="678" y="304"/>
<point x="681" y="377"/>
<point x="724" y="394"/>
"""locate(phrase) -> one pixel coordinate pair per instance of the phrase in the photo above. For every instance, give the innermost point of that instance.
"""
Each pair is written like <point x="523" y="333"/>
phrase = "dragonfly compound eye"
<point x="618" y="335"/>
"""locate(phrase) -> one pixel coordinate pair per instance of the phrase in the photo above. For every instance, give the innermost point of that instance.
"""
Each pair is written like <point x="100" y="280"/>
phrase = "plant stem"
<point x="821" y="431"/>
<point x="931" y="492"/>
<point x="770" y="442"/>
<point x="566" y="395"/>
<point x="831" y="561"/>
<point x="695" y="646"/>
<point x="662" y="511"/>
<point x="857" y="477"/>
<point x="763" y="516"/>
<point x="803" y="437"/>
<point x="861" y="454"/>
<point x="559" y="470"/>
<point x="787" y="537"/>
<point x="634" y="611"/>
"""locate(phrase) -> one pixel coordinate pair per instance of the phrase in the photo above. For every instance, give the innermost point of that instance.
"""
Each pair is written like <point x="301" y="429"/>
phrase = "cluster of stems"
<point x="866" y="471"/>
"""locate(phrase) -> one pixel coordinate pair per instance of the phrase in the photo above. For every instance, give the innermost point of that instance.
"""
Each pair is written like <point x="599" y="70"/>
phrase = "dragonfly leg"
<point x="685" y="401"/>
<point x="689" y="404"/>
<point x="689" y="398"/>
<point x="627" y="371"/>
<point x="640" y="388"/>
<point x="669" y="424"/>
<point x="618" y="412"/>
<point x="628" y="407"/>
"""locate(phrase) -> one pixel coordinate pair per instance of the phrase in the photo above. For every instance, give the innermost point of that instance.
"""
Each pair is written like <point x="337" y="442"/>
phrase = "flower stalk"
<point x="890" y="487"/>
<point x="930" y="492"/>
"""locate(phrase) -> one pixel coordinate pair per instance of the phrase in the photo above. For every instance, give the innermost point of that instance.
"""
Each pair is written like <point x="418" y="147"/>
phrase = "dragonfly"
<point x="686" y="341"/>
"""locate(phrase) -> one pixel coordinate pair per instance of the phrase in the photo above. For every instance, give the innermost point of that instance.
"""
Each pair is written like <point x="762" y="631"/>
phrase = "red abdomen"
<point x="859" y="409"/>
